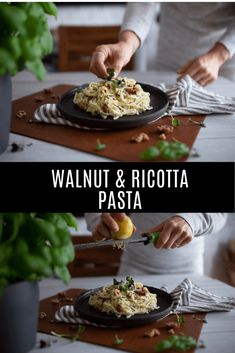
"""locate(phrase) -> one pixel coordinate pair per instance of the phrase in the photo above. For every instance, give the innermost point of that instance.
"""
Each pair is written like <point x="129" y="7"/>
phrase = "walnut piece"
<point x="152" y="333"/>
<point x="171" y="331"/>
<point x="21" y="114"/>
<point x="173" y="325"/>
<point x="140" y="137"/>
<point x="162" y="136"/>
<point x="166" y="129"/>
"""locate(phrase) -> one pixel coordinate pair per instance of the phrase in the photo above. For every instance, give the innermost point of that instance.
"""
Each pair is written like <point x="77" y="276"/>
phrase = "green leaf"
<point x="175" y="122"/>
<point x="49" y="8"/>
<point x="111" y="73"/>
<point x="7" y="61"/>
<point x="118" y="340"/>
<point x="177" y="342"/>
<point x="37" y="68"/>
<point x="63" y="273"/>
<point x="150" y="153"/>
<point x="46" y="42"/>
<point x="180" y="319"/>
<point x="99" y="146"/>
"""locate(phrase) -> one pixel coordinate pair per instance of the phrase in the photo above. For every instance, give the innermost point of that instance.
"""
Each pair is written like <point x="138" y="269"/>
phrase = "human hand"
<point x="205" y="68"/>
<point x="174" y="233"/>
<point x="114" y="55"/>
<point x="107" y="224"/>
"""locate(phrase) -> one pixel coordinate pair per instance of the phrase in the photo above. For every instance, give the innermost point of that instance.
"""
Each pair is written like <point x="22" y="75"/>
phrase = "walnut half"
<point x="140" y="137"/>
<point x="152" y="333"/>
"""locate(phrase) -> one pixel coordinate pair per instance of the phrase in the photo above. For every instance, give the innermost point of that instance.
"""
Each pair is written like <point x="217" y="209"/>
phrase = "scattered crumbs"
<point x="16" y="147"/>
<point x="29" y="144"/>
<point x="48" y="90"/>
<point x="30" y="121"/>
<point x="171" y="331"/>
<point x="194" y="153"/>
<point x="38" y="98"/>
<point x="201" y="344"/>
<point x="44" y="344"/>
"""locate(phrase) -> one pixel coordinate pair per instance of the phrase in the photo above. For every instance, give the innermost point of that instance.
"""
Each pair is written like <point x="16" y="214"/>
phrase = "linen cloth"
<point x="187" y="298"/>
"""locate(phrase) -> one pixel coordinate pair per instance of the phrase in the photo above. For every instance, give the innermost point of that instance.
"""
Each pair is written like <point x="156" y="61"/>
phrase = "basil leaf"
<point x="150" y="153"/>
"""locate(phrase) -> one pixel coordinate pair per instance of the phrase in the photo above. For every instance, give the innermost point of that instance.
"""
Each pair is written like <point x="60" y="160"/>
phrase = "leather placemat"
<point x="133" y="338"/>
<point x="118" y="145"/>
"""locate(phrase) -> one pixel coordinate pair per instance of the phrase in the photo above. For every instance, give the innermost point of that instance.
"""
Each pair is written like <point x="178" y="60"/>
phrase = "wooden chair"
<point x="77" y="43"/>
<point x="102" y="261"/>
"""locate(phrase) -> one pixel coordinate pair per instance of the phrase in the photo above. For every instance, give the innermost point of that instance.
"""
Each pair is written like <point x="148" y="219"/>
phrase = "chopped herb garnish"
<point x="180" y="319"/>
<point x="80" y="330"/>
<point x="111" y="73"/>
<point x="199" y="319"/>
<point x="150" y="153"/>
<point x="196" y="122"/>
<point x="175" y="122"/>
<point x="100" y="146"/>
<point x="172" y="150"/>
<point x="118" y="340"/>
<point x="178" y="342"/>
<point x="126" y="285"/>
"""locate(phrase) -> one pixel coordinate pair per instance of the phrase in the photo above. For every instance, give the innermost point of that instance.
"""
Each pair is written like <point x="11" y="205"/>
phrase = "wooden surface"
<point x="95" y="261"/>
<point x="214" y="143"/>
<point x="218" y="335"/>
<point x="119" y="145"/>
<point x="134" y="339"/>
<point x="77" y="43"/>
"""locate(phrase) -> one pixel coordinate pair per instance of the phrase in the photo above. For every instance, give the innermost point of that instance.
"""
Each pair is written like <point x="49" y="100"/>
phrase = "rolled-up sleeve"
<point x="138" y="18"/>
<point x="204" y="223"/>
<point x="228" y="38"/>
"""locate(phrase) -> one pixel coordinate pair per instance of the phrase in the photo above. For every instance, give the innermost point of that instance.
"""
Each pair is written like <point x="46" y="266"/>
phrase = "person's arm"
<point x="205" y="68"/>
<point x="136" y="24"/>
<point x="180" y="229"/>
<point x="138" y="18"/>
<point x="204" y="223"/>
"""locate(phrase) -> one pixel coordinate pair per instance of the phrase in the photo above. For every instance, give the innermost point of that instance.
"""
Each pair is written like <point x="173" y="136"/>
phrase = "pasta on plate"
<point x="114" y="98"/>
<point x="124" y="298"/>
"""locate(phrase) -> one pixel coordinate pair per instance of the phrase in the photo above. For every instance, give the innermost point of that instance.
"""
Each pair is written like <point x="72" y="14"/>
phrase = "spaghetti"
<point x="124" y="298"/>
<point x="114" y="98"/>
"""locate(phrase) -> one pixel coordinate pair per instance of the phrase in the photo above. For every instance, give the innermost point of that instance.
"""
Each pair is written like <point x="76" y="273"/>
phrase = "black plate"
<point x="87" y="312"/>
<point x="70" y="111"/>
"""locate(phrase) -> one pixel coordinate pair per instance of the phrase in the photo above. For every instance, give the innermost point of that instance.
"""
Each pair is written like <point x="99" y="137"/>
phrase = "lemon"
<point x="126" y="229"/>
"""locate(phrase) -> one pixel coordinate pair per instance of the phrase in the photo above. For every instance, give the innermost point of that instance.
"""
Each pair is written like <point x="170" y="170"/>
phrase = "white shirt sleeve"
<point x="138" y="18"/>
<point x="204" y="223"/>
<point x="228" y="39"/>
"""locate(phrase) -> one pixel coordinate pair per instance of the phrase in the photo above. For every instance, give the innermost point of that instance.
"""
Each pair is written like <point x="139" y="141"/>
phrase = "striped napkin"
<point x="186" y="97"/>
<point x="187" y="298"/>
